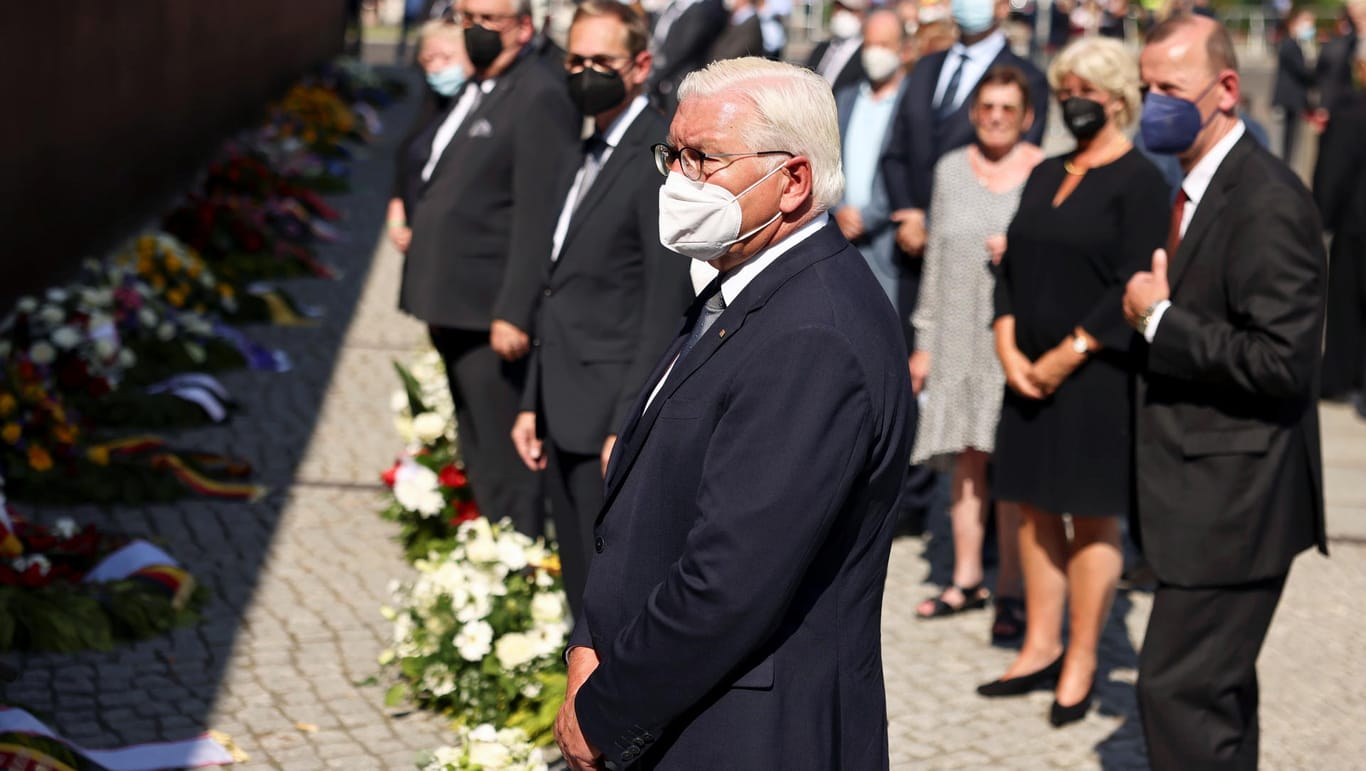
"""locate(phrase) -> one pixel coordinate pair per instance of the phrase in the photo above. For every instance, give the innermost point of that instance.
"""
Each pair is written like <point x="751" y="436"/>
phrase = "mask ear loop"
<point x="1196" y="101"/>
<point x="770" y="220"/>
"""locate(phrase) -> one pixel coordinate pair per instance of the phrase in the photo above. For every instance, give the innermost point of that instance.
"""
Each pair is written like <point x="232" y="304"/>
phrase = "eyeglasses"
<point x="485" y="20"/>
<point x="690" y="159"/>
<point x="600" y="62"/>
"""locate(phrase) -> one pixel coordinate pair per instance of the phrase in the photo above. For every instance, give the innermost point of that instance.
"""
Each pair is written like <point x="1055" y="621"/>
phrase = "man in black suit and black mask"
<point x="479" y="240"/>
<point x="612" y="295"/>
<point x="1229" y="471"/>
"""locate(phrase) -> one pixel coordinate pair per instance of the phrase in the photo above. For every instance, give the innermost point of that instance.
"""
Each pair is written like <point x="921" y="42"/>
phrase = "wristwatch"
<point x="1146" y="318"/>
<point x="1080" y="345"/>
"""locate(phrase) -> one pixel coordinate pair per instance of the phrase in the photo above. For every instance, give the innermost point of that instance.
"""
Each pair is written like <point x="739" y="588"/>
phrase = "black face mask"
<point x="482" y="45"/>
<point x="1084" y="117"/>
<point x="592" y="91"/>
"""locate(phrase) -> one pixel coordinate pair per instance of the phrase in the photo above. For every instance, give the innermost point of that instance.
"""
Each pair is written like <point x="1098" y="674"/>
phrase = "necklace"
<point x="1081" y="171"/>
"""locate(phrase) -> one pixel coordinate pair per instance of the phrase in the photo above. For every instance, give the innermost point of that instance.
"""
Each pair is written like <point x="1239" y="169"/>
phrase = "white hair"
<point x="794" y="110"/>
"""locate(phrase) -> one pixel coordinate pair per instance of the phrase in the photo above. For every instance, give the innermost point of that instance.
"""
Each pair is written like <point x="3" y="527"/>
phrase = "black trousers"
<point x="487" y="393"/>
<point x="574" y="489"/>
<point x="1290" y="137"/>
<point x="1197" y="675"/>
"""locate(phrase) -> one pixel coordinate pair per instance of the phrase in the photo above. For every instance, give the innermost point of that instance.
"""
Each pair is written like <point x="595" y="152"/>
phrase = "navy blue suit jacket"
<point x="919" y="140"/>
<point x="735" y="601"/>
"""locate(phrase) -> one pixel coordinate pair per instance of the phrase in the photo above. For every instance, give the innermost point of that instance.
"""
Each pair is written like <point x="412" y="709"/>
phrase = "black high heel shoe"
<point x="1060" y="716"/>
<point x="1018" y="686"/>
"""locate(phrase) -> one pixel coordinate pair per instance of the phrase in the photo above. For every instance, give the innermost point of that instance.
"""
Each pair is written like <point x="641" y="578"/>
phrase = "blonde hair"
<point x="1107" y="64"/>
<point x="436" y="28"/>
<point x="794" y="111"/>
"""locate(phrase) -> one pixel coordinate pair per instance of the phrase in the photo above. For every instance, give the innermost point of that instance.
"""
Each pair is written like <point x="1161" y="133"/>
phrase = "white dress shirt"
<point x="446" y="131"/>
<point x="740" y="277"/>
<point x="613" y="136"/>
<point x="979" y="57"/>
<point x="1194" y="186"/>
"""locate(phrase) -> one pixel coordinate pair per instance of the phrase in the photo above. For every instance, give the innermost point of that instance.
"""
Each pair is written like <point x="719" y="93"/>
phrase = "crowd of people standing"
<point x="546" y="206"/>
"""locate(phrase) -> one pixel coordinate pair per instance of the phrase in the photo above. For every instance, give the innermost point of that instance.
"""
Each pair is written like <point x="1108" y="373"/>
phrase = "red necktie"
<point x="1174" y="234"/>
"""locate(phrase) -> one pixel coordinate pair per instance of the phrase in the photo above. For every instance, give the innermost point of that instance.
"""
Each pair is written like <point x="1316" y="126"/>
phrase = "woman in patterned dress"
<point x="954" y="369"/>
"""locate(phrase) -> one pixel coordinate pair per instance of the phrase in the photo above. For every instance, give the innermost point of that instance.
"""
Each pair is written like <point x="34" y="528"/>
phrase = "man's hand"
<point x="1318" y="119"/>
<point x="509" y="342"/>
<point x="910" y="230"/>
<point x="529" y="447"/>
<point x="1146" y="289"/>
<point x="996" y="247"/>
<point x="920" y="369"/>
<point x="607" y="453"/>
<point x="1018" y="369"/>
<point x="850" y="222"/>
<point x="578" y="753"/>
<point x="396" y="225"/>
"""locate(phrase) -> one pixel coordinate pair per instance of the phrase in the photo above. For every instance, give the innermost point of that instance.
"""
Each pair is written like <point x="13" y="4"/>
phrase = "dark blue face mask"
<point x="1170" y="124"/>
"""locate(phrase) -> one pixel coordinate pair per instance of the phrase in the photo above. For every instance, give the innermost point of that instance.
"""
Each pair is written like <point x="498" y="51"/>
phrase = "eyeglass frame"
<point x="665" y="157"/>
<point x="597" y="62"/>
<point x="467" y="20"/>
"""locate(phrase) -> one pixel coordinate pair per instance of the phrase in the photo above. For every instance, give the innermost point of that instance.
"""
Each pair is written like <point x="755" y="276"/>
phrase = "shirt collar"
<point x="747" y="271"/>
<point x="623" y="121"/>
<point x="1197" y="181"/>
<point x="983" y="50"/>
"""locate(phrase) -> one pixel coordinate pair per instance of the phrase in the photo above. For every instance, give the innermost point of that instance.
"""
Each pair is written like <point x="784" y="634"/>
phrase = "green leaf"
<point x="413" y="389"/>
<point x="394" y="696"/>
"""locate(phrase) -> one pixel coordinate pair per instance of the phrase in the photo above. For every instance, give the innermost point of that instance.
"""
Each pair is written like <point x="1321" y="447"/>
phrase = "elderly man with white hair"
<point x="732" y="613"/>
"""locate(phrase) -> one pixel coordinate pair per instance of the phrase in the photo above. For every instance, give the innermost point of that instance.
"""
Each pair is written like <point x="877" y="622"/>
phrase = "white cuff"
<point x="1150" y="331"/>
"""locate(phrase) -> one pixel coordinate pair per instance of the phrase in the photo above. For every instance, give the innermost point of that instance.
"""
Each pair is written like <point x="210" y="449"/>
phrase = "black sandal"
<point x="974" y="597"/>
<point x="1009" y="625"/>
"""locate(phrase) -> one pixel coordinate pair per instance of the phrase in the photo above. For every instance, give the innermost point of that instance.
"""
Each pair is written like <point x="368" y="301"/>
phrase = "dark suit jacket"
<point x="479" y="238"/>
<point x="1293" y="77"/>
<point x="736" y="596"/>
<point x="851" y="74"/>
<point x="919" y="140"/>
<point x="416" y="147"/>
<point x="1229" y="477"/>
<point x="1340" y="172"/>
<point x="1334" y="70"/>
<point x="737" y="40"/>
<point x="613" y="300"/>
<point x="685" y="49"/>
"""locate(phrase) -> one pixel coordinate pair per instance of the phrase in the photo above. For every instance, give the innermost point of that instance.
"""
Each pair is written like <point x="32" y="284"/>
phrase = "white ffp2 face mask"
<point x="701" y="220"/>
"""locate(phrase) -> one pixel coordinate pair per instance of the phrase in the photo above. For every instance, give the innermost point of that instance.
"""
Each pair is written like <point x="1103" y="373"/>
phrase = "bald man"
<point x="1229" y="475"/>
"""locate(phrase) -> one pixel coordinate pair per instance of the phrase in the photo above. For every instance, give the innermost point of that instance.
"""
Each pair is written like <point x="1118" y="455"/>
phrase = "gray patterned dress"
<point x="961" y="402"/>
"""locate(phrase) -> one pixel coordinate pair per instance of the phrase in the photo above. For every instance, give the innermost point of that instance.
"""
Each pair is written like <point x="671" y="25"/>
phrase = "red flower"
<point x="391" y="475"/>
<point x="453" y="476"/>
<point x="465" y="511"/>
<point x="27" y="371"/>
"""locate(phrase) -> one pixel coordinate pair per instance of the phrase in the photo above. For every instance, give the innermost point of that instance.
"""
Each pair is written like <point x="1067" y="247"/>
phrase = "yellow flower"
<point x="98" y="455"/>
<point x="194" y="268"/>
<point x="11" y="433"/>
<point x="58" y="414"/>
<point x="226" y="290"/>
<point x="38" y="459"/>
<point x="146" y="246"/>
<point x="175" y="297"/>
<point x="65" y="433"/>
<point x="7" y="404"/>
<point x="158" y="282"/>
<point x="172" y="263"/>
<point x="144" y="265"/>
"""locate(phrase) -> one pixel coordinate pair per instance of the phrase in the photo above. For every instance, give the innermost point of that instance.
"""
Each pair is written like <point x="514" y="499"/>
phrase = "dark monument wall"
<point x="110" y="107"/>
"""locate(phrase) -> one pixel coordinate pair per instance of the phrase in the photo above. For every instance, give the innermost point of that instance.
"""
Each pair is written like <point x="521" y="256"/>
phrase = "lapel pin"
<point x="722" y="333"/>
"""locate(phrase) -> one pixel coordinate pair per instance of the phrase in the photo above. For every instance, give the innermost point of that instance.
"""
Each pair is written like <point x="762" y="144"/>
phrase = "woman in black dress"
<point x="1087" y="221"/>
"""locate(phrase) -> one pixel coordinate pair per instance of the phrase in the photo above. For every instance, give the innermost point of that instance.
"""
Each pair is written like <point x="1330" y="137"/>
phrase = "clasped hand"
<point x="1040" y="379"/>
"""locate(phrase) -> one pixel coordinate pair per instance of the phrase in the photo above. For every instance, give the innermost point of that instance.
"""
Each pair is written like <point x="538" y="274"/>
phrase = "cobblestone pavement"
<point x="292" y="631"/>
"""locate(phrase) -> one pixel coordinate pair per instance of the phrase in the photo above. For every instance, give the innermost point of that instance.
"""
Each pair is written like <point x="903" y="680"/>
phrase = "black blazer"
<point x="685" y="49"/>
<point x="416" y="147"/>
<point x="613" y="300"/>
<point x="735" y="600"/>
<point x="852" y="73"/>
<point x="1334" y="70"/>
<point x="1340" y="172"/>
<point x="737" y="40"/>
<point x="1293" y="77"/>
<point x="479" y="234"/>
<point x="919" y="140"/>
<point x="1229" y="472"/>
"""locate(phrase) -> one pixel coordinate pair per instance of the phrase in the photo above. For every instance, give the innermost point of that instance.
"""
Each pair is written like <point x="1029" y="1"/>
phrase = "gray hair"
<point x="794" y="111"/>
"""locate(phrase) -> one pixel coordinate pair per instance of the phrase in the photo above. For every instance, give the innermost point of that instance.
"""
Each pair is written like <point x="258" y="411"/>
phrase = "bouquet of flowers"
<point x="479" y="633"/>
<point x="485" y="748"/>
<point x="429" y="494"/>
<point x="243" y="239"/>
<point x="317" y="116"/>
<point x="61" y="591"/>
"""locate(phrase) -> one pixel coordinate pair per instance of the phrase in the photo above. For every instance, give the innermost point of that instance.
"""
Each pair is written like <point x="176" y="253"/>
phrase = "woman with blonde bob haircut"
<point x="1087" y="221"/>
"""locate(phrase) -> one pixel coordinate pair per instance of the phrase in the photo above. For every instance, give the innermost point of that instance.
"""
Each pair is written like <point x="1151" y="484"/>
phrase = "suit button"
<point x="548" y="292"/>
<point x="598" y="544"/>
<point x="536" y="343"/>
<point x="630" y="754"/>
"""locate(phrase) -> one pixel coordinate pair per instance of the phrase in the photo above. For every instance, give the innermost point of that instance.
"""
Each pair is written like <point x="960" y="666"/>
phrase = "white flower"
<point x="66" y="338"/>
<point x="544" y="580"/>
<point x="24" y="563"/>
<point x="515" y="649"/>
<point x="65" y="527"/>
<point x="26" y="304"/>
<point x="428" y="427"/>
<point x="166" y="331"/>
<point x="127" y="358"/>
<point x="476" y="606"/>
<point x="417" y="490"/>
<point x="474" y="641"/>
<point x="547" y="607"/>
<point x="403" y="425"/>
<point x="484" y="732"/>
<point x="398" y="402"/>
<point x="532" y="689"/>
<point x="42" y="353"/>
<point x="147" y="317"/>
<point x="490" y="755"/>
<point x="51" y="314"/>
<point x="56" y="295"/>
<point x="511" y="553"/>
<point x="106" y="349"/>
